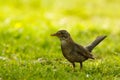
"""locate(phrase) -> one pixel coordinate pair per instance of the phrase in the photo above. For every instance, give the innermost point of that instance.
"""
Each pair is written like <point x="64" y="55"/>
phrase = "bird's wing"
<point x="83" y="51"/>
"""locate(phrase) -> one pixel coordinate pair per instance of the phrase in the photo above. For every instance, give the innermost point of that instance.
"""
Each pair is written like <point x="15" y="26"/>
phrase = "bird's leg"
<point x="73" y="66"/>
<point x="81" y="65"/>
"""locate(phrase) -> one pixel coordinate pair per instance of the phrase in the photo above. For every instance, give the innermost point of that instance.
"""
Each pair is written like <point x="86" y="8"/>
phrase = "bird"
<point x="74" y="52"/>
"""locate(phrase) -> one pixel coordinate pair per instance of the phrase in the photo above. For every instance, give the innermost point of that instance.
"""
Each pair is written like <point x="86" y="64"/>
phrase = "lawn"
<point x="28" y="52"/>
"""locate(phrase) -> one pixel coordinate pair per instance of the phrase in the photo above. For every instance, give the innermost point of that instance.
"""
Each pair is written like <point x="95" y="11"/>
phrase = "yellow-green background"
<point x="28" y="52"/>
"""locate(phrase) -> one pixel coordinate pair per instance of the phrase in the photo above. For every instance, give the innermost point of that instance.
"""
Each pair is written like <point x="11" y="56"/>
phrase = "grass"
<point x="28" y="52"/>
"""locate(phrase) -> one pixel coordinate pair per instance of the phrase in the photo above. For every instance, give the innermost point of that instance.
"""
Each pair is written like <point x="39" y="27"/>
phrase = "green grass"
<point x="28" y="52"/>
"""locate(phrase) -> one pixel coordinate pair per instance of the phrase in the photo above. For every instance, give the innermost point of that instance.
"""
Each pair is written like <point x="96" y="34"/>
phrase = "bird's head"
<point x="61" y="34"/>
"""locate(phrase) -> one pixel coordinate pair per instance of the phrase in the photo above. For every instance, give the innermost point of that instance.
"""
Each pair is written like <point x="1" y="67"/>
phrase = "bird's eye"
<point x="62" y="33"/>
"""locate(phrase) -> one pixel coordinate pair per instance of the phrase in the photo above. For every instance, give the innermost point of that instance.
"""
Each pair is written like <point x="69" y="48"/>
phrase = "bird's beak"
<point x="55" y="34"/>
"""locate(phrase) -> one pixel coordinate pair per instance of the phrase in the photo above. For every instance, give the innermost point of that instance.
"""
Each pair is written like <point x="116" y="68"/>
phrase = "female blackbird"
<point x="74" y="52"/>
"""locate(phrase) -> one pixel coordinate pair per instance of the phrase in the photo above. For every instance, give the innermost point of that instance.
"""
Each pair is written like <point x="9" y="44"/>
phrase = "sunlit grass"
<point x="28" y="52"/>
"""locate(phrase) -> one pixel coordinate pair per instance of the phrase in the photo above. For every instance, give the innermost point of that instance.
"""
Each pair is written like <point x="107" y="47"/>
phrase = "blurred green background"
<point x="28" y="52"/>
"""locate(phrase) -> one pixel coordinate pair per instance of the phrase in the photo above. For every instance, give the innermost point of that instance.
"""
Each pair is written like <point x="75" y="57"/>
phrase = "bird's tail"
<point x="95" y="43"/>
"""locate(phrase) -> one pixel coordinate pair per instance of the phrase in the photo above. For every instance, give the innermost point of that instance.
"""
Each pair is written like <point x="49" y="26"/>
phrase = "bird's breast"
<point x="66" y="50"/>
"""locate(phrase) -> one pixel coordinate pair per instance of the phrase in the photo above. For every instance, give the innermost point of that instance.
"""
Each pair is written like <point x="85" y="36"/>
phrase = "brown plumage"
<point x="74" y="52"/>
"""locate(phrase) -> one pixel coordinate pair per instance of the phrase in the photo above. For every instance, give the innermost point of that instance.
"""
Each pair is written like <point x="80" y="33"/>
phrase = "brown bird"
<point x="74" y="52"/>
